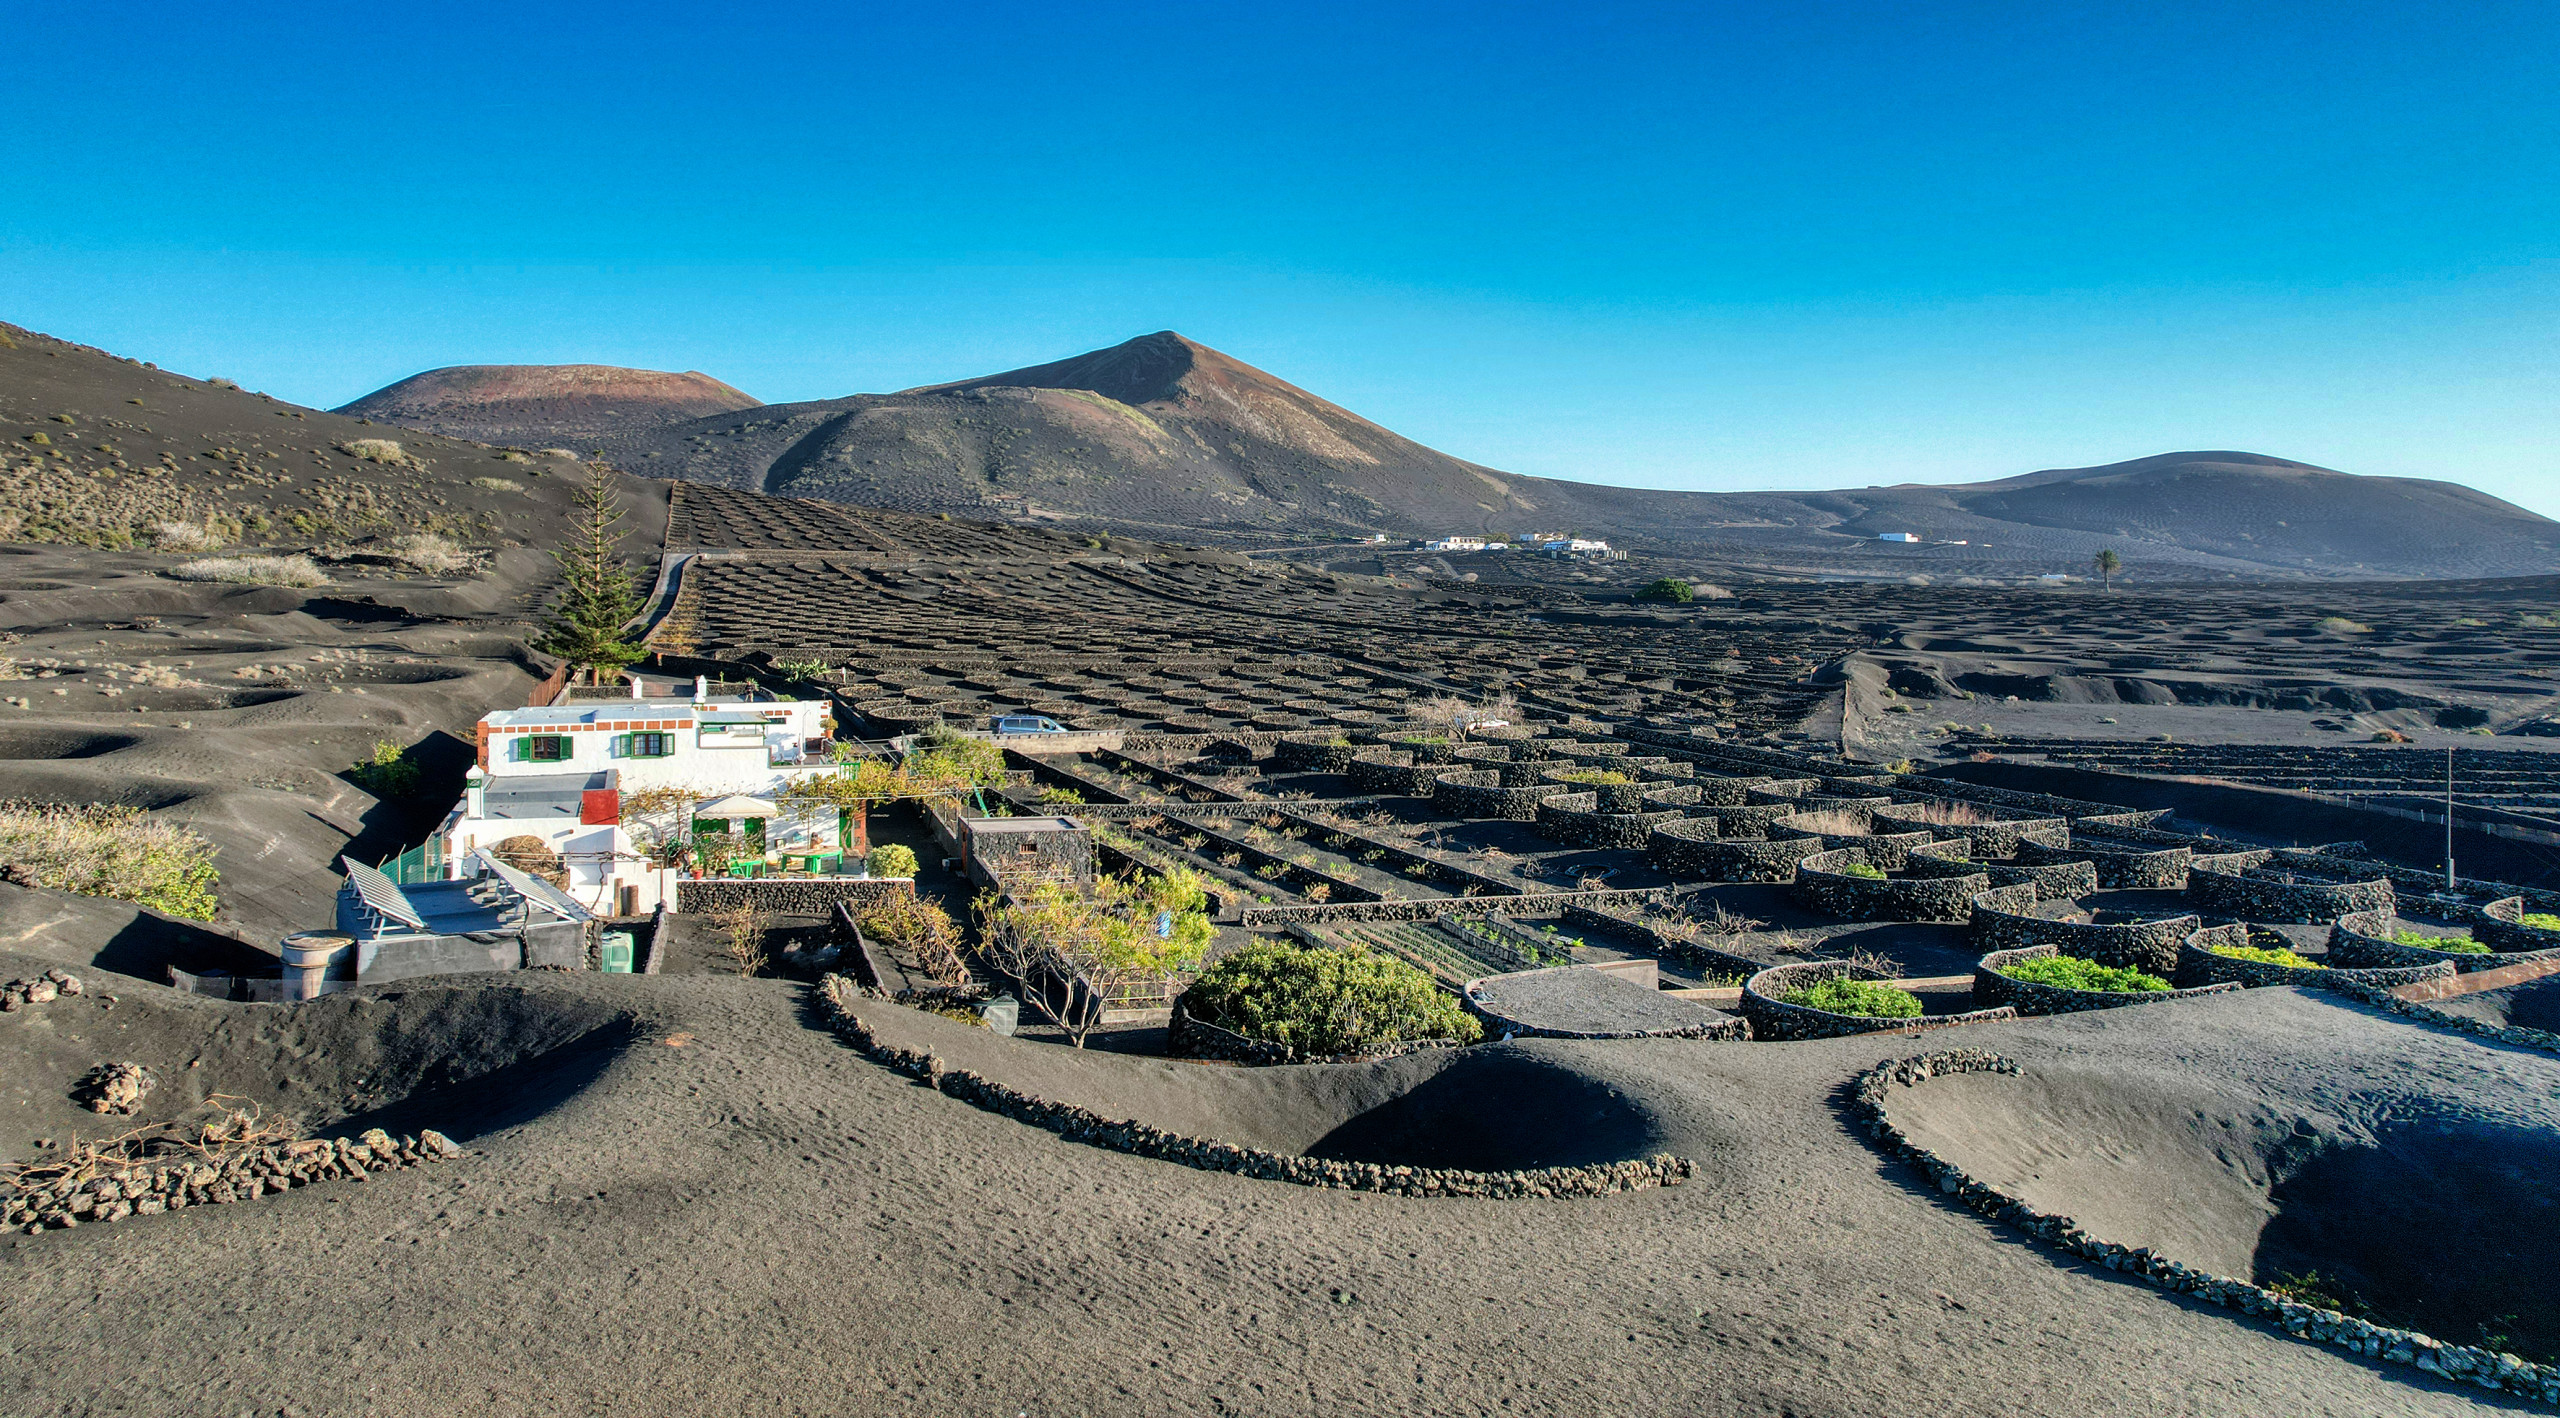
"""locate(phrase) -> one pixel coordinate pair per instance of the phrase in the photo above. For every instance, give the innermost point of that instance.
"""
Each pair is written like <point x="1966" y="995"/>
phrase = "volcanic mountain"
<point x="1165" y="437"/>
<point x="536" y="403"/>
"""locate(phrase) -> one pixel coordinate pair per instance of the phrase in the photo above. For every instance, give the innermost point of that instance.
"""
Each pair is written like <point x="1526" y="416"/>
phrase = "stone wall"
<point x="1887" y="850"/>
<point x="1390" y="774"/>
<point x="1478" y="794"/>
<point x="1265" y="917"/>
<point x="1312" y="753"/>
<point x="786" y="896"/>
<point x="2253" y="897"/>
<point x="1773" y="1019"/>
<point x="114" y="1189"/>
<point x="1822" y="885"/>
<point x="2480" y="1367"/>
<point x="2029" y="998"/>
<point x="1668" y="947"/>
<point x="2363" y="939"/>
<point x="835" y="997"/>
<point x="2198" y="965"/>
<point x="1570" y="818"/>
<point x="1755" y="860"/>
<point x="2500" y="926"/>
<point x="2149" y="946"/>
<point x="2120" y="869"/>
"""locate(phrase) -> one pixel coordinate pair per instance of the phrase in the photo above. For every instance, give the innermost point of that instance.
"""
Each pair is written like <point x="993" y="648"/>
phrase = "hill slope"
<point x="1162" y="435"/>
<point x="537" y="403"/>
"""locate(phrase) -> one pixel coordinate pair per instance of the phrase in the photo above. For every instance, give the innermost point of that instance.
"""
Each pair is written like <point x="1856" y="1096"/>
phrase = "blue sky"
<point x="1681" y="246"/>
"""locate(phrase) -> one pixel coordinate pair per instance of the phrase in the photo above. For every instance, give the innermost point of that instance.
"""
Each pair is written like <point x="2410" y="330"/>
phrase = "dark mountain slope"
<point x="537" y="403"/>
<point x="1166" y="437"/>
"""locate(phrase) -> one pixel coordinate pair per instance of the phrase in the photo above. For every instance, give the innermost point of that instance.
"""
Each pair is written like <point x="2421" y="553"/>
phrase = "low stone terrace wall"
<point x="1296" y="876"/>
<point x="2000" y="924"/>
<point x="2030" y="998"/>
<point x="2059" y="881"/>
<point x="1822" y="885"/>
<point x="1754" y="859"/>
<point x="1772" y="1019"/>
<point x="2248" y="896"/>
<point x="835" y="997"/>
<point x="2480" y="1367"/>
<point x="2364" y="939"/>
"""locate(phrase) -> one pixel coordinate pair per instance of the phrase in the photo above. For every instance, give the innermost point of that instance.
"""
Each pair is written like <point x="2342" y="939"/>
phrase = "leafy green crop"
<point x="2450" y="944"/>
<point x="1864" y="998"/>
<point x="2070" y="972"/>
<point x="2266" y="957"/>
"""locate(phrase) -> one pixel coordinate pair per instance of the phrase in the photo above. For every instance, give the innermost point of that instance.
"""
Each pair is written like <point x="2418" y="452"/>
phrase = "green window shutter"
<point x="622" y="745"/>
<point x="519" y="747"/>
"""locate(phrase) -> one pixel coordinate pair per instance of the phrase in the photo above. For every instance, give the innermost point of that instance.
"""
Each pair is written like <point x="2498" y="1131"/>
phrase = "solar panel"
<point x="534" y="889"/>
<point x="382" y="894"/>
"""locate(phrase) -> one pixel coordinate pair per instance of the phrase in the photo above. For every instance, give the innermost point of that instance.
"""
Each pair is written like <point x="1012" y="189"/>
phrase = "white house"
<point x="559" y="774"/>
<point x="1574" y="546"/>
<point x="1456" y="543"/>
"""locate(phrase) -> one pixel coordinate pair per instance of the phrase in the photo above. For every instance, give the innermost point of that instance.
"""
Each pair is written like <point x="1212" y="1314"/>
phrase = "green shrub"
<point x="1327" y="1001"/>
<point x="112" y="851"/>
<point x="1669" y="588"/>
<point x="2266" y="957"/>
<point x="1597" y="777"/>
<point x="891" y="859"/>
<point x="1863" y="871"/>
<point x="2450" y="944"/>
<point x="2070" y="972"/>
<point x="2540" y="920"/>
<point x="388" y="773"/>
<point x="2340" y="625"/>
<point x="1867" y="999"/>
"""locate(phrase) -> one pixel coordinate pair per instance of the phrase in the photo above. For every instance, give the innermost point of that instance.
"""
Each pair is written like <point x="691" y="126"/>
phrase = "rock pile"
<point x="1083" y="1125"/>
<point x="57" y="1198"/>
<point x="2463" y="1363"/>
<point x="42" y="989"/>
<point x="117" y="1088"/>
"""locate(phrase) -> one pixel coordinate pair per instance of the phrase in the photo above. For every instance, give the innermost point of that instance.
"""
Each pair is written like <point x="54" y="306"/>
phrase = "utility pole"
<point x="2448" y="817"/>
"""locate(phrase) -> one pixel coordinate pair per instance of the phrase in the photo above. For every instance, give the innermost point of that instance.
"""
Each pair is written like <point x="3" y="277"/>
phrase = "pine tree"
<point x="596" y="597"/>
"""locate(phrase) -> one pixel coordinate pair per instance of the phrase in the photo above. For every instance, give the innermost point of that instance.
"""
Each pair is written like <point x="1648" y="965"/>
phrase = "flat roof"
<point x="1023" y="824"/>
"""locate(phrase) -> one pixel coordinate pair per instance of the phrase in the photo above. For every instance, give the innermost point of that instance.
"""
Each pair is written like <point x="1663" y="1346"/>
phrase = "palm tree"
<point x="2108" y="564"/>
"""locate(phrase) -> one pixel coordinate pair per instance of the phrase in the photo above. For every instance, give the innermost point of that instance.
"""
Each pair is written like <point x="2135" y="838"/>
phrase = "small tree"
<point x="892" y="860"/>
<point x="1668" y="588"/>
<point x="2108" y="564"/>
<point x="1118" y="938"/>
<point x="596" y="598"/>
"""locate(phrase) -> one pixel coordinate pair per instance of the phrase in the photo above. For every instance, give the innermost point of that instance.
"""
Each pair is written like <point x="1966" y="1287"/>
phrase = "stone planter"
<point x="2198" y="965"/>
<point x="1823" y="886"/>
<point x="1389" y="775"/>
<point x="2149" y="946"/>
<point x="2119" y="868"/>
<point x="1613" y="797"/>
<point x="1772" y="1019"/>
<point x="1478" y="794"/>
<point x="2501" y="927"/>
<point x="1313" y="753"/>
<point x="2253" y="897"/>
<point x="2030" y="998"/>
<point x="2360" y="940"/>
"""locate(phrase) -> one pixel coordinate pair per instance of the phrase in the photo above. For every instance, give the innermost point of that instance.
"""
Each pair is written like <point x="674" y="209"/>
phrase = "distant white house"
<point x="1575" y="546"/>
<point x="558" y="774"/>
<point x="1458" y="543"/>
<point x="1897" y="536"/>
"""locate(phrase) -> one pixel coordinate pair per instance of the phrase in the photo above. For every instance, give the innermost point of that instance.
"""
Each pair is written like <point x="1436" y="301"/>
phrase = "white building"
<point x="1574" y="546"/>
<point x="558" y="774"/>
<point x="1460" y="543"/>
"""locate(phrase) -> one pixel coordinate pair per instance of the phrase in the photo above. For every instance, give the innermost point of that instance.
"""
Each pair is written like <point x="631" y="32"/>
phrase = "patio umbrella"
<point x="737" y="805"/>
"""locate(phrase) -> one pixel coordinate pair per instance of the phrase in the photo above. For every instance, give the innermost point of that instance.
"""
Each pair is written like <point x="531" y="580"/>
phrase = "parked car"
<point x="1028" y="724"/>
